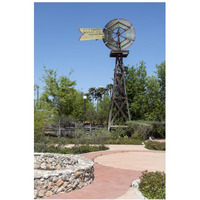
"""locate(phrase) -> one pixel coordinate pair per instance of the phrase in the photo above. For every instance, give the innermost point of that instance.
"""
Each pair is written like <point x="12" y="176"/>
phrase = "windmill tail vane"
<point x="91" y="34"/>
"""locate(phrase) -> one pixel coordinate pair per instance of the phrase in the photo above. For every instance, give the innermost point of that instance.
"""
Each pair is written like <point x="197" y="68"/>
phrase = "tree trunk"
<point x="59" y="131"/>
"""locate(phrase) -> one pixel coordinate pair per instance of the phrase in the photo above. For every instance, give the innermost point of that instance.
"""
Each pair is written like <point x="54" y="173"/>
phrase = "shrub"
<point x="100" y="137"/>
<point x="158" y="130"/>
<point x="152" y="185"/>
<point x="139" y="128"/>
<point x="43" y="139"/>
<point x="59" y="140"/>
<point x="87" y="148"/>
<point x="124" y="140"/>
<point x="155" y="145"/>
<point x="62" y="141"/>
<point x="73" y="150"/>
<point x="39" y="147"/>
<point x="144" y="129"/>
<point x="120" y="131"/>
<point x="78" y="136"/>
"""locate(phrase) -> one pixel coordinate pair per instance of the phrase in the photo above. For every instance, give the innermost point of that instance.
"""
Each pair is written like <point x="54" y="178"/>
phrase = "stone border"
<point x="60" y="173"/>
<point x="135" y="185"/>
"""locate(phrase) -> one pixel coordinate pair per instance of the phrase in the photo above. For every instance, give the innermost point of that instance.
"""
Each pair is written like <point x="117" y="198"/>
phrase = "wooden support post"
<point x="119" y="98"/>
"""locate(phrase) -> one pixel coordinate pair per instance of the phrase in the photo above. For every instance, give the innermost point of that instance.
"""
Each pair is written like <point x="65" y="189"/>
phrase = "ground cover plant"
<point x="152" y="185"/>
<point x="73" y="150"/>
<point x="155" y="145"/>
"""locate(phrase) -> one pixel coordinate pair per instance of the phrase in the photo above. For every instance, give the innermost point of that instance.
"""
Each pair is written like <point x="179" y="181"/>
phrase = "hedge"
<point x="145" y="129"/>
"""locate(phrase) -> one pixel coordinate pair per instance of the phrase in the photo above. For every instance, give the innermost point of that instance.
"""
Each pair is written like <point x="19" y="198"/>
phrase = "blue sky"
<point x="57" y="45"/>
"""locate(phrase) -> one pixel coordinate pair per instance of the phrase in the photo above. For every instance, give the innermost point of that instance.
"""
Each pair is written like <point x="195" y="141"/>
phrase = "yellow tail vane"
<point x="91" y="34"/>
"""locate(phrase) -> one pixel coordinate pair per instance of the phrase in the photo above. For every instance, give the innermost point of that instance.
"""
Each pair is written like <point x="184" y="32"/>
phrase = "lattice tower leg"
<point x="119" y="98"/>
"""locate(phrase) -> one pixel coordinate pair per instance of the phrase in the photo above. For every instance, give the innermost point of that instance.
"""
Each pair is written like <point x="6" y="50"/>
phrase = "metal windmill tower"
<point x="118" y="35"/>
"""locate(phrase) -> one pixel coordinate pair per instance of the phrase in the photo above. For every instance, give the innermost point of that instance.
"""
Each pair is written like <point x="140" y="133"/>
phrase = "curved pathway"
<point x="111" y="182"/>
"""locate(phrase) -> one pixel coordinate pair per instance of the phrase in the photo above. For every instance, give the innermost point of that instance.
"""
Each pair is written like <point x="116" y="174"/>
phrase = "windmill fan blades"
<point x="130" y="34"/>
<point x="119" y="34"/>
<point x="112" y="25"/>
<point x="108" y="39"/>
<point x="125" y="44"/>
<point x="124" y="24"/>
<point x="112" y="45"/>
<point x="107" y="35"/>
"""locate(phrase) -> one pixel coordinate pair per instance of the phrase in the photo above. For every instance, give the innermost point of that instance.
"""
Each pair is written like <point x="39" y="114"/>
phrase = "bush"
<point x="87" y="148"/>
<point x="144" y="129"/>
<point x="43" y="140"/>
<point x="100" y="137"/>
<point x="154" y="145"/>
<point x="140" y="129"/>
<point x="120" y="131"/>
<point x="74" y="150"/>
<point x="39" y="147"/>
<point x="158" y="130"/>
<point x="62" y="141"/>
<point x="124" y="140"/>
<point x="152" y="185"/>
<point x="79" y="136"/>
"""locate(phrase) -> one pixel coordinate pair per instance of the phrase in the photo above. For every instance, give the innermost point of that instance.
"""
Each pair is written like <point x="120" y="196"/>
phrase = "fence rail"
<point x="68" y="131"/>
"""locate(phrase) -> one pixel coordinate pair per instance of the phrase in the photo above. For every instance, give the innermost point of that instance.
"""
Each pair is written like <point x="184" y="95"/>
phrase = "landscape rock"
<point x="41" y="192"/>
<point x="50" y="185"/>
<point x="61" y="189"/>
<point x="49" y="193"/>
<point x="59" y="182"/>
<point x="43" y="166"/>
<point x="35" y="194"/>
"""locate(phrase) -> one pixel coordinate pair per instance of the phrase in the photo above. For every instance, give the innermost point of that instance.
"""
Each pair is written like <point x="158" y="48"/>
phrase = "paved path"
<point x="137" y="160"/>
<point x="113" y="182"/>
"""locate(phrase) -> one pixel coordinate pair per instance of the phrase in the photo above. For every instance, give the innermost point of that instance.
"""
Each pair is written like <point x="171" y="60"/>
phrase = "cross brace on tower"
<point x="119" y="101"/>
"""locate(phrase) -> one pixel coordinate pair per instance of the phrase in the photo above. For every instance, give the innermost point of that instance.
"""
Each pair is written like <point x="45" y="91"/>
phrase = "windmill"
<point x="118" y="35"/>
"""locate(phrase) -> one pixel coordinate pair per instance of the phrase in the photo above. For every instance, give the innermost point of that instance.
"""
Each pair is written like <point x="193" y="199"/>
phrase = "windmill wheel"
<point x="119" y="34"/>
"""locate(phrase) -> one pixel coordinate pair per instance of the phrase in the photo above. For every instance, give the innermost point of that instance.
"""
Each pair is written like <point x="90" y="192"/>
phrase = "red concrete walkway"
<point x="109" y="182"/>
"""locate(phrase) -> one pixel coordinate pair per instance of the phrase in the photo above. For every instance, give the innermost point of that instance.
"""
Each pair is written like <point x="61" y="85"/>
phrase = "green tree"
<point x="161" y="79"/>
<point x="146" y="95"/>
<point x="109" y="88"/>
<point x="78" y="106"/>
<point x="42" y="116"/>
<point x="92" y="92"/>
<point x="103" y="110"/>
<point x="100" y="91"/>
<point x="59" y="93"/>
<point x="91" y="114"/>
<point x="136" y="78"/>
<point x="153" y="100"/>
